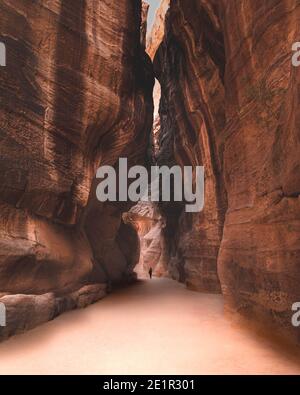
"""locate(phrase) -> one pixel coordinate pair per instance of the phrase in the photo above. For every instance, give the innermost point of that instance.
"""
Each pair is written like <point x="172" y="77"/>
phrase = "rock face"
<point x="192" y="116"/>
<point x="259" y="260"/>
<point x="145" y="9"/>
<point x="156" y="35"/>
<point x="76" y="94"/>
<point x="154" y="39"/>
<point x="25" y="311"/>
<point x="230" y="102"/>
<point x="148" y="223"/>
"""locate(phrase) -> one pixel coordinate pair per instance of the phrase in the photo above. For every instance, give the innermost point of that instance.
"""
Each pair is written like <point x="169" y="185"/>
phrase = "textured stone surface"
<point x="230" y="101"/>
<point x="156" y="36"/>
<point x="192" y="117"/>
<point x="148" y="223"/>
<point x="154" y="39"/>
<point x="76" y="94"/>
<point x="25" y="311"/>
<point x="259" y="261"/>
<point x="145" y="9"/>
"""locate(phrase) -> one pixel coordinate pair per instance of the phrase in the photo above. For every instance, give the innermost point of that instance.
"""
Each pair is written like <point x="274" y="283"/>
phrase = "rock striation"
<point x="230" y="102"/>
<point x="154" y="39"/>
<point x="192" y="117"/>
<point x="156" y="35"/>
<point x="259" y="259"/>
<point x="144" y="25"/>
<point x="76" y="94"/>
<point x="148" y="223"/>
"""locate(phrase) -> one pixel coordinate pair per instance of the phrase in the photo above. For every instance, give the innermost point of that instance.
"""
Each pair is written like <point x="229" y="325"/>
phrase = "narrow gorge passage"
<point x="86" y="87"/>
<point x="149" y="328"/>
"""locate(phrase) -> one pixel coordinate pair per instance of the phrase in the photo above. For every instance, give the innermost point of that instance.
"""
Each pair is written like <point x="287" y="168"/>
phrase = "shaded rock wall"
<point x="230" y="102"/>
<point x="192" y="117"/>
<point x="76" y="94"/>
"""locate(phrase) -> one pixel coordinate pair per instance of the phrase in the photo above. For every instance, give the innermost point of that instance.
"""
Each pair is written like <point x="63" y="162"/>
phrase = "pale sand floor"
<point x="153" y="327"/>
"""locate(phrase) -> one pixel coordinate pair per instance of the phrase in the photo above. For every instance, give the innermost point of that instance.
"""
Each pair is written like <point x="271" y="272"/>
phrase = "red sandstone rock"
<point x="192" y="118"/>
<point x="145" y="9"/>
<point x="147" y="222"/>
<point x="25" y="311"/>
<point x="158" y="29"/>
<point x="230" y="102"/>
<point x="76" y="94"/>
<point x="259" y="260"/>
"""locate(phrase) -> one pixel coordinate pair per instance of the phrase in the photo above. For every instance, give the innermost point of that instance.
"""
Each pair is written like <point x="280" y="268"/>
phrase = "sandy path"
<point x="155" y="327"/>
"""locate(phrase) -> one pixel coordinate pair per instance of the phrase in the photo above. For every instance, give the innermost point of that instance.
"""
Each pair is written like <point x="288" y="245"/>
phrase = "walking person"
<point x="150" y="272"/>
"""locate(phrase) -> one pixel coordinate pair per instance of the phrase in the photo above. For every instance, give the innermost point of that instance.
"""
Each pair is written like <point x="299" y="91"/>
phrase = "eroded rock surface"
<point x="144" y="16"/>
<point x="148" y="223"/>
<point x="192" y="117"/>
<point x="230" y="102"/>
<point x="154" y="39"/>
<point x="259" y="260"/>
<point x="76" y="94"/>
<point x="156" y="35"/>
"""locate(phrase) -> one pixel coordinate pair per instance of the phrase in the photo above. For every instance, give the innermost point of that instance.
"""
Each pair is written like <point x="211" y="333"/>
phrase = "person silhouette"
<point x="150" y="272"/>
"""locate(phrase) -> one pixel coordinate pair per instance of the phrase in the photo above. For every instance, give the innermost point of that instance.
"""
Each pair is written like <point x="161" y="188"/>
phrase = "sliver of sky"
<point x="154" y="4"/>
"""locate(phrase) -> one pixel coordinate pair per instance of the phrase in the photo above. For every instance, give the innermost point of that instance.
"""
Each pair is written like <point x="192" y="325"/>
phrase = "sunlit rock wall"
<point x="76" y="94"/>
<point x="148" y="223"/>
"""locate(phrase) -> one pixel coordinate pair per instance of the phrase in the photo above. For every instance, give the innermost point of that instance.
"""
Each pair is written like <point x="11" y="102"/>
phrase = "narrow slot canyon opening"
<point x="170" y="85"/>
<point x="148" y="223"/>
<point x="145" y="217"/>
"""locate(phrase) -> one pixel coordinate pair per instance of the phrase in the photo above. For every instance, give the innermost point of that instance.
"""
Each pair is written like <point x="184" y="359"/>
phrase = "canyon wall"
<point x="189" y="64"/>
<point x="230" y="99"/>
<point x="259" y="260"/>
<point x="156" y="35"/>
<point x="154" y="38"/>
<point x="76" y="94"/>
